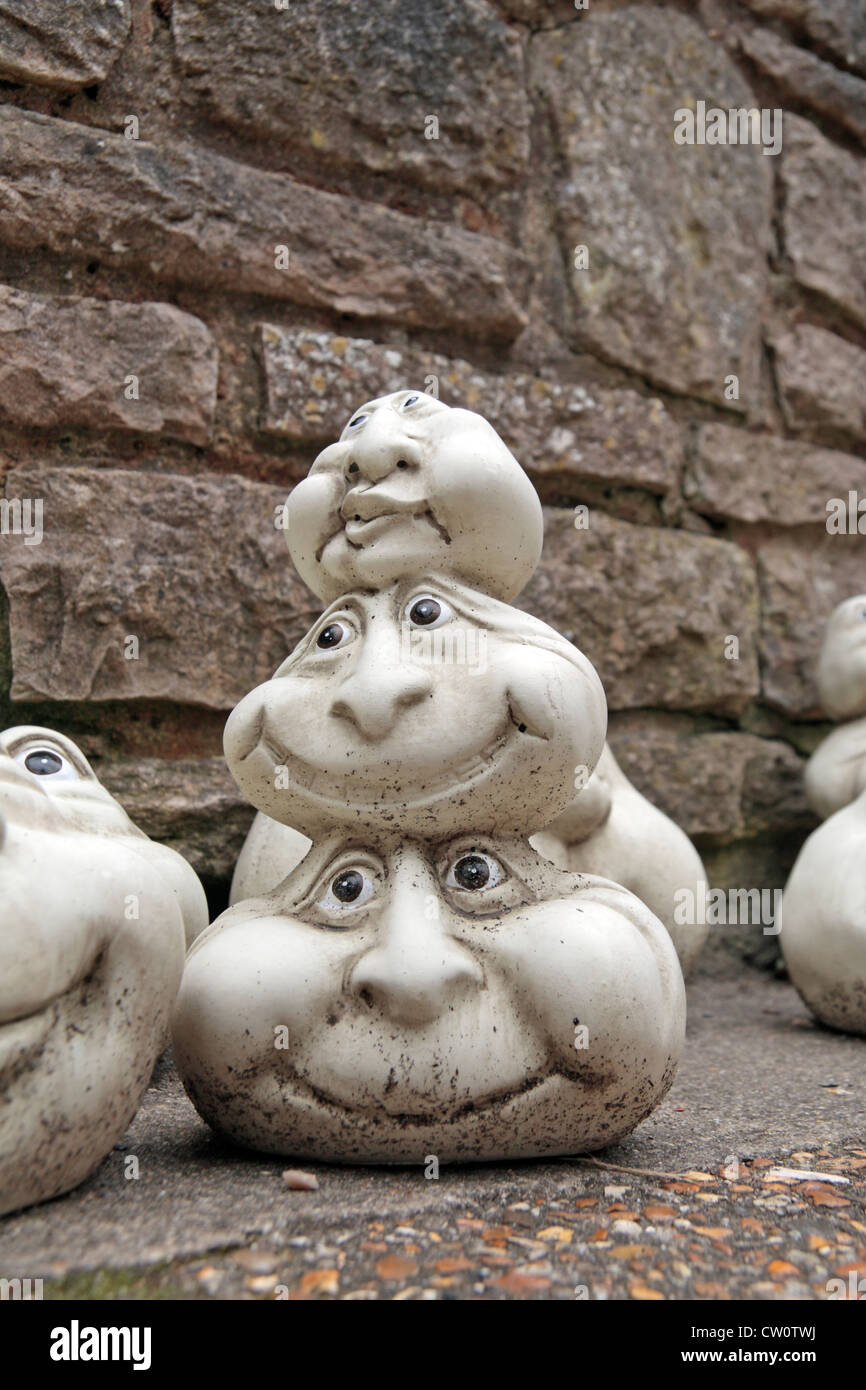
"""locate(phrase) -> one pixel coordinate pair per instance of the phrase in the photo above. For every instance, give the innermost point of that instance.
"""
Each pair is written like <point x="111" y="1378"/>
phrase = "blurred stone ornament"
<point x="94" y="918"/>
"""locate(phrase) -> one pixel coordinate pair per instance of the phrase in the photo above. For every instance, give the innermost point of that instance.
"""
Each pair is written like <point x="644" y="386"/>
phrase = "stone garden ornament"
<point x="94" y="918"/>
<point x="823" y="935"/>
<point x="423" y="981"/>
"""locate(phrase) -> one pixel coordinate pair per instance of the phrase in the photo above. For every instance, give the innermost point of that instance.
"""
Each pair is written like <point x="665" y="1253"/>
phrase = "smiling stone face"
<point x="842" y="663"/>
<point x="393" y="999"/>
<point x="91" y="953"/>
<point x="414" y="486"/>
<point x="426" y="706"/>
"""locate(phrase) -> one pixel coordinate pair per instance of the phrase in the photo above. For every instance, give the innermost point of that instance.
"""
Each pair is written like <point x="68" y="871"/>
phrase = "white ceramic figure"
<point x="465" y="998"/>
<point x="426" y="706"/>
<point x="423" y="982"/>
<point x="823" y="936"/>
<point x="92" y="937"/>
<point x="414" y="487"/>
<point x="610" y="829"/>
<point x="836" y="772"/>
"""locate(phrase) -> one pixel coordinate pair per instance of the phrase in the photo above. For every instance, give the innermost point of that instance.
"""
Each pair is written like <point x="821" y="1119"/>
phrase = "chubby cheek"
<point x="254" y="992"/>
<point x="590" y="983"/>
<point x="60" y="903"/>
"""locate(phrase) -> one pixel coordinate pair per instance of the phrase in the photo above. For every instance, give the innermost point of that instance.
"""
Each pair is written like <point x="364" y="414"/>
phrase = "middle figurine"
<point x="424" y="982"/>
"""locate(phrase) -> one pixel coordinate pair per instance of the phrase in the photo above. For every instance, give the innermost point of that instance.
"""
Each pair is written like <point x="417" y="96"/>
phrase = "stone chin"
<point x="379" y="734"/>
<point x="408" y="1032"/>
<point x="86" y="985"/>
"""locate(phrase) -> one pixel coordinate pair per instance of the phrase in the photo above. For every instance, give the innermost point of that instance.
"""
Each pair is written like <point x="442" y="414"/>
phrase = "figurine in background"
<point x="94" y="919"/>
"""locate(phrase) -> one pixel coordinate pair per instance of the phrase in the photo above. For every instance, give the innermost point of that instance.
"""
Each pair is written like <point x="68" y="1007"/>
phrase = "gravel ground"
<point x="691" y="1206"/>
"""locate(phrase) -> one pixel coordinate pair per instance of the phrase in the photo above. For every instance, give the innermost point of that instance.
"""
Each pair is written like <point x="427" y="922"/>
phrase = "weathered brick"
<point x="314" y="382"/>
<point x="355" y="84"/>
<point x="68" y="361"/>
<point x="677" y="235"/>
<point x="824" y="214"/>
<point x="651" y="608"/>
<point x="186" y="215"/>
<point x="759" y="477"/>
<point x="821" y="382"/>
<point x="193" y="567"/>
<point x="801" y="582"/>
<point x="61" y="43"/>
<point x="719" y="786"/>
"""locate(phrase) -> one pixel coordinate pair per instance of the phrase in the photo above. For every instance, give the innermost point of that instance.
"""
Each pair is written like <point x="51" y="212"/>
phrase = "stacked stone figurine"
<point x="423" y="981"/>
<point x="823" y="933"/>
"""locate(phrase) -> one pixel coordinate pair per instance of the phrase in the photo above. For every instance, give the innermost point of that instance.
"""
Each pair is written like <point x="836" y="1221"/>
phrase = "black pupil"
<point x="43" y="762"/>
<point x="472" y="872"/>
<point x="347" y="887"/>
<point x="357" y="420"/>
<point x="410" y="400"/>
<point x="330" y="636"/>
<point x="425" y="611"/>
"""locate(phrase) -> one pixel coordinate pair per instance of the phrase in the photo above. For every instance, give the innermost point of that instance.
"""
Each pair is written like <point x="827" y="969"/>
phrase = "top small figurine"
<point x="421" y="980"/>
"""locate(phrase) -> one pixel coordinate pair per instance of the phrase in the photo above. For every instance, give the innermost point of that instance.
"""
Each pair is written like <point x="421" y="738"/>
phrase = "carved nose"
<point x="416" y="972"/>
<point x="380" y="449"/>
<point x="379" y="689"/>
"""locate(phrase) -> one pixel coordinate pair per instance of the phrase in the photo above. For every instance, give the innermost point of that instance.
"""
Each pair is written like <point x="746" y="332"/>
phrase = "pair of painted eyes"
<point x="473" y="873"/>
<point x="47" y="762"/>
<point x="424" y="611"/>
<point x="406" y="404"/>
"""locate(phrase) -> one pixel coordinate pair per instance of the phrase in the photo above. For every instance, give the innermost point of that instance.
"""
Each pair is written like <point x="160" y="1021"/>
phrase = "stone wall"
<point x="224" y="225"/>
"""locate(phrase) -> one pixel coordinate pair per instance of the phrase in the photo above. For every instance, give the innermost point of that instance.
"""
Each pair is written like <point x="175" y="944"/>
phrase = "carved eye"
<point x="356" y="422"/>
<point x="475" y="873"/>
<point x="47" y="763"/>
<point x="334" y="635"/>
<point x="351" y="887"/>
<point x="410" y="401"/>
<point x="427" y="611"/>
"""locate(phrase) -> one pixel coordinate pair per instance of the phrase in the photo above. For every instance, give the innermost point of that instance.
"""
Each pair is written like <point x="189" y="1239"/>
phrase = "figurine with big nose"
<point x="424" y="981"/>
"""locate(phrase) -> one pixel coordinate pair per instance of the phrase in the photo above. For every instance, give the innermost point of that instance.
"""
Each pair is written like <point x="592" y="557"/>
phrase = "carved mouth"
<point x="363" y="531"/>
<point x="23" y="1037"/>
<point x="365" y="795"/>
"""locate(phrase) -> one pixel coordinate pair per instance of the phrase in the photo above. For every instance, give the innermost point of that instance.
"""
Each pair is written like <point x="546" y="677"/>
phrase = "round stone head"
<point x="394" y="999"/>
<point x="91" y="954"/>
<point x="414" y="486"/>
<point x="427" y="707"/>
<point x="842" y="663"/>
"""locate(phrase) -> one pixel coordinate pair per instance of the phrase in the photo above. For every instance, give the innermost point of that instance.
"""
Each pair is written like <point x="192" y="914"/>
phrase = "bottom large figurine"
<point x="393" y="1000"/>
<point x="93" y="918"/>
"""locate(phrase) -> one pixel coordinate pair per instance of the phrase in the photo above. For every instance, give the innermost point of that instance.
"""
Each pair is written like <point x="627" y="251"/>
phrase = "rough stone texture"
<point x="187" y="215"/>
<point x="823" y="218"/>
<point x="801" y="581"/>
<point x="804" y="78"/>
<point x="716" y="785"/>
<point x="757" y="477"/>
<point x="315" y="381"/>
<point x="821" y="382"/>
<point x="355" y="83"/>
<point x="677" y="234"/>
<point x="651" y="608"/>
<point x="192" y="566"/>
<point x="190" y="804"/>
<point x="61" y="43"/>
<point x="837" y="25"/>
<point x="65" y="361"/>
